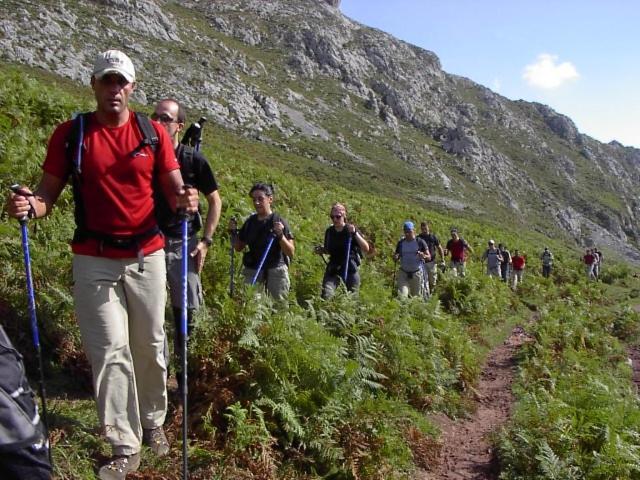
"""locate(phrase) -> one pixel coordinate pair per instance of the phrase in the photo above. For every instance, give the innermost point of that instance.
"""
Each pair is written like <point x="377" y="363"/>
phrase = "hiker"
<point x="433" y="243"/>
<point x="458" y="248"/>
<point x="598" y="264"/>
<point x="23" y="442"/>
<point x="119" y="270"/>
<point x="256" y="233"/>
<point x="518" y="263"/>
<point x="412" y="252"/>
<point x="193" y="136"/>
<point x="589" y="260"/>
<point x="196" y="172"/>
<point x="494" y="259"/>
<point x="505" y="265"/>
<point x="335" y="245"/>
<point x="547" y="262"/>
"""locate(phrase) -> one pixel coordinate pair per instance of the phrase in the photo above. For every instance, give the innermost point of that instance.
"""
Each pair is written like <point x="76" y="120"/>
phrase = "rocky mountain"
<point x="300" y="75"/>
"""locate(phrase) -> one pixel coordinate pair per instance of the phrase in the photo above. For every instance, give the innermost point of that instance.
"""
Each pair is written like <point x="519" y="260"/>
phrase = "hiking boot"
<point x="156" y="440"/>
<point x="118" y="467"/>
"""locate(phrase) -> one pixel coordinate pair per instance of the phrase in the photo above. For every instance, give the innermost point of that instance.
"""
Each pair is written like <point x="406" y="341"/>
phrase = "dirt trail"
<point x="466" y="448"/>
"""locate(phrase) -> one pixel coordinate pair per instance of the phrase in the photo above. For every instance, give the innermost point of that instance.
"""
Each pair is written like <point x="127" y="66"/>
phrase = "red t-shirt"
<point x="116" y="187"/>
<point x="457" y="249"/>
<point x="517" y="262"/>
<point x="589" y="259"/>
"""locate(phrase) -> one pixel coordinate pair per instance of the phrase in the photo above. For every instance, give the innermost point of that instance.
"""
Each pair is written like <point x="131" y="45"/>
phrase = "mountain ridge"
<point x="302" y="76"/>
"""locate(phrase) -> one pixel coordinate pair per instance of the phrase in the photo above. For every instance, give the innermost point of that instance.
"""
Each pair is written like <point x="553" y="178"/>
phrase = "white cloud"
<point x="497" y="85"/>
<point x="547" y="73"/>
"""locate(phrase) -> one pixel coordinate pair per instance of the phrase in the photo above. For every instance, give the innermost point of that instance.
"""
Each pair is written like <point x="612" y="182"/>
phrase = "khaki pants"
<point x="120" y="313"/>
<point x="173" y="251"/>
<point x="277" y="280"/>
<point x="516" y="277"/>
<point x="457" y="268"/>
<point x="432" y="271"/>
<point x="409" y="284"/>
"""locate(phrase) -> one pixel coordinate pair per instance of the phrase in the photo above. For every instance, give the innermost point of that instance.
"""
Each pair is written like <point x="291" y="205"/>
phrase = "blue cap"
<point x="408" y="226"/>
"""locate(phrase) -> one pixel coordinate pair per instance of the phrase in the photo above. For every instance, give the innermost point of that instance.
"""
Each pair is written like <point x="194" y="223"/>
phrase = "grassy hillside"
<point x="320" y="389"/>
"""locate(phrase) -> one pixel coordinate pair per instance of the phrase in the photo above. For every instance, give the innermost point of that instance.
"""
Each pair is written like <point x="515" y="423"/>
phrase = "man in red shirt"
<point x="589" y="260"/>
<point x="458" y="249"/>
<point x="118" y="264"/>
<point x="517" y="263"/>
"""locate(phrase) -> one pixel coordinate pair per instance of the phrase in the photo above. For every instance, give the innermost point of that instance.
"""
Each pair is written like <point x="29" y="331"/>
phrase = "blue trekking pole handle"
<point x="346" y="262"/>
<point x="264" y="257"/>
<point x="183" y="330"/>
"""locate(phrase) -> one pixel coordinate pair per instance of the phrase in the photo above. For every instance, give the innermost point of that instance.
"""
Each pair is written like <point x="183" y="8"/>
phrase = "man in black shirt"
<point x="434" y="246"/>
<point x="196" y="171"/>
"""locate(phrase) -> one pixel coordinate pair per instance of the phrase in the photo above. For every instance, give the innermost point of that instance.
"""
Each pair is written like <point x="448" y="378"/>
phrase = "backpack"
<point x="20" y="424"/>
<point x="248" y="258"/>
<point x="74" y="152"/>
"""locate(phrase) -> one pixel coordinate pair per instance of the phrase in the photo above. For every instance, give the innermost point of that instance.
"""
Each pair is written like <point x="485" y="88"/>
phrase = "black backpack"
<point x="20" y="424"/>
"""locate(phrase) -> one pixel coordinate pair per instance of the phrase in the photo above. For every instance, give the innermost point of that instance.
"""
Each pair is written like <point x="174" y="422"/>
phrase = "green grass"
<point x="318" y="389"/>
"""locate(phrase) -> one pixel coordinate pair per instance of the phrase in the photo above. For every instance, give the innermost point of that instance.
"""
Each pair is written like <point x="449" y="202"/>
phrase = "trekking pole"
<point x="264" y="257"/>
<point x="393" y="282"/>
<point x="346" y="262"/>
<point x="183" y="331"/>
<point x="32" y="314"/>
<point x="232" y="267"/>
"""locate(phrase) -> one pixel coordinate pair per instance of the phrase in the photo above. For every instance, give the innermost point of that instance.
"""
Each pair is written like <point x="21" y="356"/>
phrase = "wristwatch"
<point x="207" y="241"/>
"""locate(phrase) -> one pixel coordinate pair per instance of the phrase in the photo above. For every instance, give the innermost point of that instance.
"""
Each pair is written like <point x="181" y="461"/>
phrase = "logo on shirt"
<point x="140" y="154"/>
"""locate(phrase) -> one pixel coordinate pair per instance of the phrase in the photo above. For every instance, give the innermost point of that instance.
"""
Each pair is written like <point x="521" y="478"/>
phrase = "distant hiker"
<point x="196" y="172"/>
<point x="589" y="260"/>
<point x="114" y="157"/>
<point x="494" y="259"/>
<point x="518" y="263"/>
<point x="412" y="252"/>
<point x="256" y="233"/>
<point x="598" y="265"/>
<point x="336" y="239"/>
<point x="193" y="135"/>
<point x="23" y="443"/>
<point x="433" y="243"/>
<point x="505" y="265"/>
<point x="458" y="248"/>
<point x="547" y="262"/>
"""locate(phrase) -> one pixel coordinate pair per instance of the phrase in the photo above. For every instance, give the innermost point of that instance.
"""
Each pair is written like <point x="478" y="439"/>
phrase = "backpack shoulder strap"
<point x="149" y="134"/>
<point x="75" y="141"/>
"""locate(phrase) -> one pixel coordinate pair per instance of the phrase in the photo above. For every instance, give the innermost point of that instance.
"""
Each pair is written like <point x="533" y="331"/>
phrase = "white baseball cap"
<point x="114" y="61"/>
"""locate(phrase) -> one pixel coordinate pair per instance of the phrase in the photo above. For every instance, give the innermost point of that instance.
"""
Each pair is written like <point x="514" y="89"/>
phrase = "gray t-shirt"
<point x="408" y="250"/>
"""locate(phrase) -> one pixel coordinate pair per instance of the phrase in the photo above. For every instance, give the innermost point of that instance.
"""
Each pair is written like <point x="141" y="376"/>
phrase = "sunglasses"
<point x="164" y="118"/>
<point x="335" y="217"/>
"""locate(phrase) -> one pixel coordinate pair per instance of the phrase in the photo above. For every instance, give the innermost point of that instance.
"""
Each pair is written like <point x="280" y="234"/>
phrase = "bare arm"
<point x="362" y="243"/>
<point x="286" y="245"/>
<point x="177" y="196"/>
<point x="210" y="224"/>
<point x="42" y="201"/>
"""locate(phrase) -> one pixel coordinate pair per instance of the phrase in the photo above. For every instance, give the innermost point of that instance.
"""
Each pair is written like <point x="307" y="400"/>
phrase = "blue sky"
<point x="582" y="58"/>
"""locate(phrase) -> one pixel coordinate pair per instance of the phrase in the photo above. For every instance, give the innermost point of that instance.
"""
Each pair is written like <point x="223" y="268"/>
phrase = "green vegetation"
<point x="336" y="389"/>
<point x="578" y="414"/>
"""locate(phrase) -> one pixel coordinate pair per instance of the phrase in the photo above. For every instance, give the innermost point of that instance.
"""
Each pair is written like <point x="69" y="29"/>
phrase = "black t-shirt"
<point x="197" y="173"/>
<point x="432" y="242"/>
<point x="255" y="233"/>
<point x="335" y="243"/>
